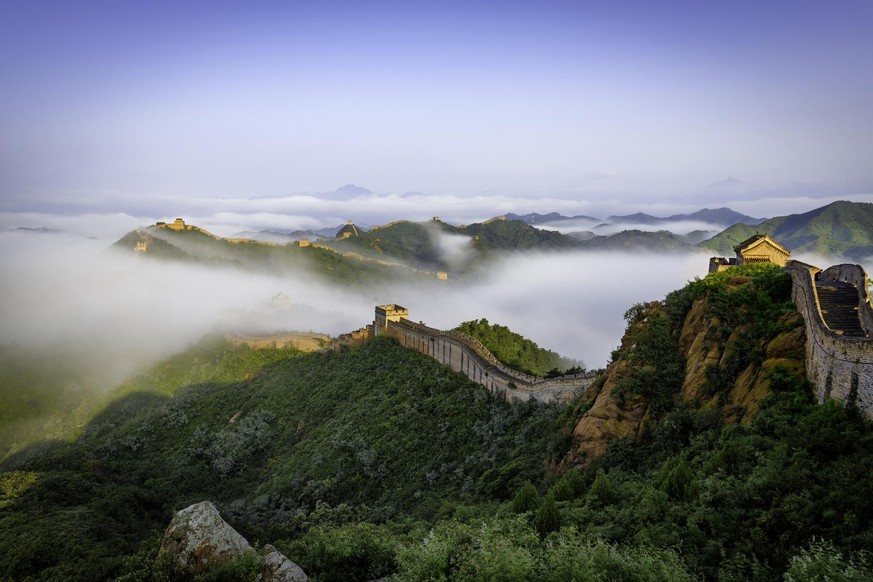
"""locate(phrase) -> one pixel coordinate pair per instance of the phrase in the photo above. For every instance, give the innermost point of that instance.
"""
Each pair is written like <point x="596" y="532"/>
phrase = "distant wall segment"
<point x="839" y="367"/>
<point x="465" y="354"/>
<point x="299" y="340"/>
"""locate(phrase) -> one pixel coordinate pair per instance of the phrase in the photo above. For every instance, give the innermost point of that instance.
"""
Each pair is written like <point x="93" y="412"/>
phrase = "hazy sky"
<point x="157" y="108"/>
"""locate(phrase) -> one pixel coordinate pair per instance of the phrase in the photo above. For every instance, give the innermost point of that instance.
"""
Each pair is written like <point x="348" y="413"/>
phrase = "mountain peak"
<point x="347" y="192"/>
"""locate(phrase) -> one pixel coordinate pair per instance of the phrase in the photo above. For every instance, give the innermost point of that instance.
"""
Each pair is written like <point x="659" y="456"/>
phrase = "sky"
<point x="248" y="114"/>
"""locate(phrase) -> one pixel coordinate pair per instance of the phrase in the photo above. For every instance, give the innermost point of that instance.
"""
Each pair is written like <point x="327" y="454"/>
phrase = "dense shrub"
<point x="517" y="351"/>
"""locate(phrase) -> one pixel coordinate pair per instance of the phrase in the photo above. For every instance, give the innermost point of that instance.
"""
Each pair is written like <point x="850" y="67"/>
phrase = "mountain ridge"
<point x="840" y="228"/>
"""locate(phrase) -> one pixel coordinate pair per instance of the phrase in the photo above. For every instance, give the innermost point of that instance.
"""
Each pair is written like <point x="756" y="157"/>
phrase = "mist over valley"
<point x="359" y="291"/>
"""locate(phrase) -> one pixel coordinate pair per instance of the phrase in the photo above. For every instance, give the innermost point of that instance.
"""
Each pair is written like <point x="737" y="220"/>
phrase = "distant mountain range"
<point x="534" y="218"/>
<point x="436" y="245"/>
<point x="716" y="216"/>
<point x="637" y="241"/>
<point x="722" y="217"/>
<point x="281" y="236"/>
<point x="352" y="253"/>
<point x="841" y="228"/>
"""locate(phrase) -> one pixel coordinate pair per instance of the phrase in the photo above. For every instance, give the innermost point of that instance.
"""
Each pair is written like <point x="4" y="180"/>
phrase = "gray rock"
<point x="198" y="539"/>
<point x="277" y="568"/>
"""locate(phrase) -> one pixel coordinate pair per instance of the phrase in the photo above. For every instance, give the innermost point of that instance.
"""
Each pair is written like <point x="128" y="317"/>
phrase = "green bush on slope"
<point x="515" y="350"/>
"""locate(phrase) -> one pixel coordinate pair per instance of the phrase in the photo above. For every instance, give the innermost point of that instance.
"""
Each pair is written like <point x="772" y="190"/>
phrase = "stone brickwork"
<point x="465" y="354"/>
<point x="839" y="367"/>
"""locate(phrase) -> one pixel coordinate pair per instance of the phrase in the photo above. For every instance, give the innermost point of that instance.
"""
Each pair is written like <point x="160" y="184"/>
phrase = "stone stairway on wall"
<point x="839" y="307"/>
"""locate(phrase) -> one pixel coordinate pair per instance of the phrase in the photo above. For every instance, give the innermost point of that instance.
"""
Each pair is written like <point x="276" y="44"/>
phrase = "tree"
<point x="548" y="518"/>
<point x="526" y="498"/>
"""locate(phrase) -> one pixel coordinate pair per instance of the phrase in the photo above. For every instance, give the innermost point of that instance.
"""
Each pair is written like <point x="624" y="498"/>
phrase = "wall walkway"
<point x="839" y="366"/>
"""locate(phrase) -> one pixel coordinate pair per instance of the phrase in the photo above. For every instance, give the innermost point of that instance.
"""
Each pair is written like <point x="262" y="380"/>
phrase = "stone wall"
<point x="854" y="275"/>
<point x="357" y="337"/>
<point x="839" y="367"/>
<point x="299" y="340"/>
<point x="465" y="354"/>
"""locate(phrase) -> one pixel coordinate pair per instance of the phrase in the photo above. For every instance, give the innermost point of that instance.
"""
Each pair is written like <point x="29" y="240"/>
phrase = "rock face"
<point x="606" y="420"/>
<point x="702" y="349"/>
<point x="198" y="539"/>
<point x="705" y="347"/>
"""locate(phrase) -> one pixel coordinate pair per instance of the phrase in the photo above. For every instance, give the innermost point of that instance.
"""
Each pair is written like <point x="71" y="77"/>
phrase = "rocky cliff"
<point x="720" y="343"/>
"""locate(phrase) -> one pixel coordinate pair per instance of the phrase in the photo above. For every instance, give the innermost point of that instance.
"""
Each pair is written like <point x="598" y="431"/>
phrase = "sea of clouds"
<point x="62" y="287"/>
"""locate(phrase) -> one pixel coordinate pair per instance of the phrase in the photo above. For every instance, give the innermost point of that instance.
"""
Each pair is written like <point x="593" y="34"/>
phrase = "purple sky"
<point x="162" y="108"/>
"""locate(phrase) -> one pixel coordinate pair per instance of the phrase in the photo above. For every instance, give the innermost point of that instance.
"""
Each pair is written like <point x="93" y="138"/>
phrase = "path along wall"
<point x="465" y="354"/>
<point x="839" y="367"/>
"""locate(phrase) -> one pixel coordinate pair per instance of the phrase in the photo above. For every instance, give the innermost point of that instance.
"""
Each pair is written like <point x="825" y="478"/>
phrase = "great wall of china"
<point x="835" y="306"/>
<point x="459" y="351"/>
<point x="465" y="354"/>
<point x="299" y="340"/>
<point x="834" y="303"/>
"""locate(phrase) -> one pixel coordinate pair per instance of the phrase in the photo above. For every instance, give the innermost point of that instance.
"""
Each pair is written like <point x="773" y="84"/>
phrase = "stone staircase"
<point x="839" y="307"/>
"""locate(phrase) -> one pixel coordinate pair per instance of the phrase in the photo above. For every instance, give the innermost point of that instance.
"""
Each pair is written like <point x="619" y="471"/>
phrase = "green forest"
<point x="376" y="461"/>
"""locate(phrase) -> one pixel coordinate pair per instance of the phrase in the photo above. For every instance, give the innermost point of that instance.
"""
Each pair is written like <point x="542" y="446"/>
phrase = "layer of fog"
<point x="132" y="310"/>
<point x="603" y="228"/>
<point x="306" y="211"/>
<point x="453" y="249"/>
<point x="572" y="303"/>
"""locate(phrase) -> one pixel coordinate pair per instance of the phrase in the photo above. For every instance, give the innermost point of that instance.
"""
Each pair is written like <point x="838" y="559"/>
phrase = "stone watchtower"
<point x="757" y="249"/>
<point x="386" y="314"/>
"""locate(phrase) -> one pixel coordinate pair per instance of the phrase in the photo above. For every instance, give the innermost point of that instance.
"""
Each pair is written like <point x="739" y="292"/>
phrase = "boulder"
<point x="277" y="568"/>
<point x="198" y="539"/>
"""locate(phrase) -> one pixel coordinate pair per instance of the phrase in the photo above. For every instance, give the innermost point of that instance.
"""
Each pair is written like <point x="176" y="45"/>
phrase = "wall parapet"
<point x="840" y="367"/>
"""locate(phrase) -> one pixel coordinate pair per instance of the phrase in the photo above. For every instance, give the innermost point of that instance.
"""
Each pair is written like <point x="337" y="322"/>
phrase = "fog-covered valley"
<point x="61" y="288"/>
<point x="65" y="288"/>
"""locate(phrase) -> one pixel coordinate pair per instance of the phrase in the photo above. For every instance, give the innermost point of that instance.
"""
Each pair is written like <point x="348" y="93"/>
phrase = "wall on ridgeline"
<point x="299" y="340"/>
<point x="839" y="367"/>
<point x="465" y="354"/>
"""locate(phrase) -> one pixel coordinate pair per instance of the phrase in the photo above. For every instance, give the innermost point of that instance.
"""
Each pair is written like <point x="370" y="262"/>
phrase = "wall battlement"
<point x="467" y="355"/>
<point x="839" y="366"/>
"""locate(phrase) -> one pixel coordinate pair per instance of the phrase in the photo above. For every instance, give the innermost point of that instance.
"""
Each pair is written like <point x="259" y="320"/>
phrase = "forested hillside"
<point x="196" y="246"/>
<point x="377" y="461"/>
<point x="371" y="435"/>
